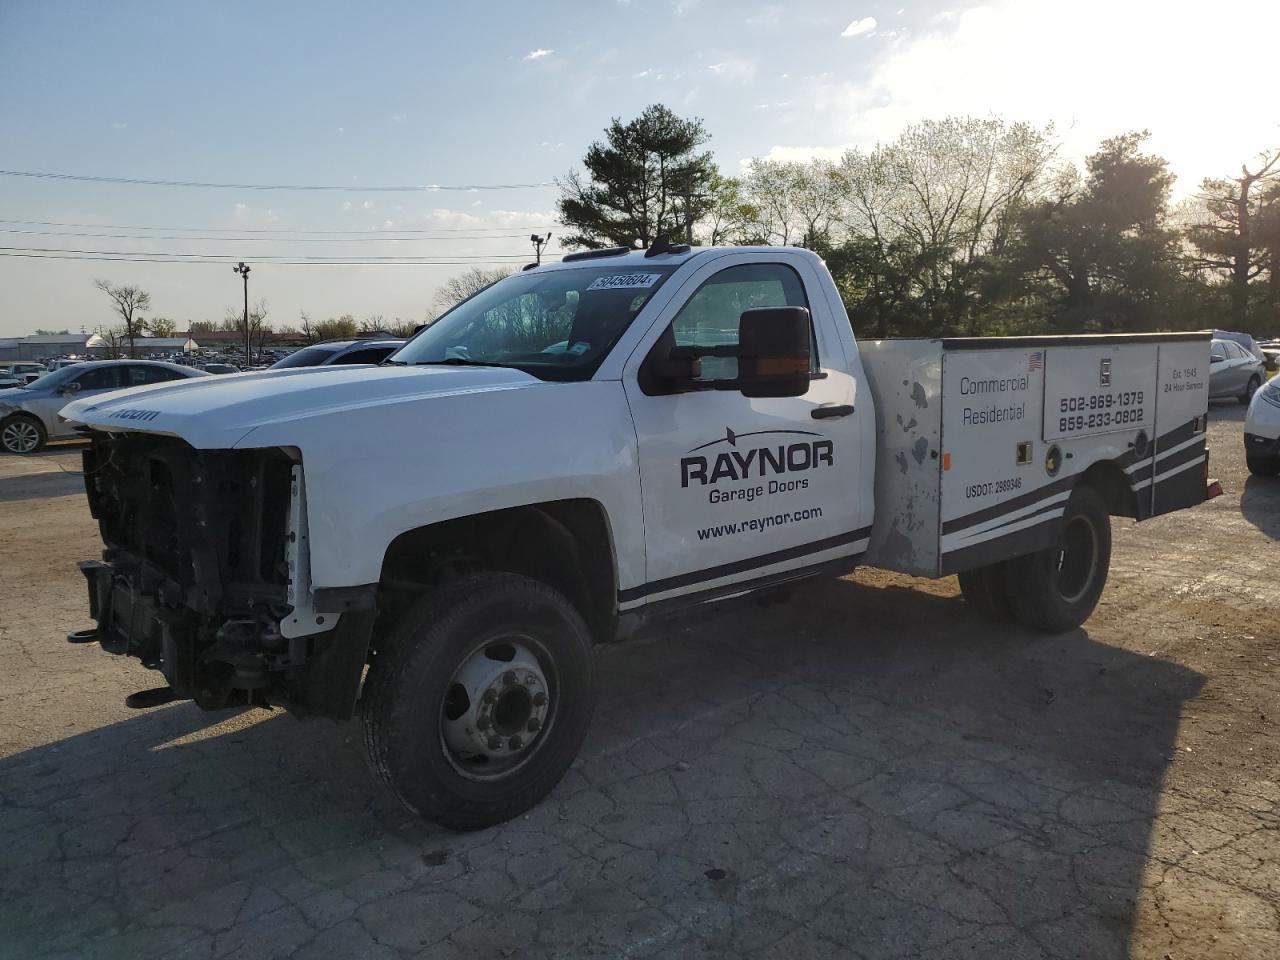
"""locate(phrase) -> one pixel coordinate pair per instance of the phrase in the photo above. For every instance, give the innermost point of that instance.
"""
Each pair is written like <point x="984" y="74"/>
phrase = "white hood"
<point x="218" y="412"/>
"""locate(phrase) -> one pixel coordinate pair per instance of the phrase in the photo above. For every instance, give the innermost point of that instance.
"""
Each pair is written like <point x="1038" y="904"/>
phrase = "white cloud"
<point x="991" y="61"/>
<point x="538" y="54"/>
<point x="736" y="69"/>
<point x="397" y="118"/>
<point x="859" y="27"/>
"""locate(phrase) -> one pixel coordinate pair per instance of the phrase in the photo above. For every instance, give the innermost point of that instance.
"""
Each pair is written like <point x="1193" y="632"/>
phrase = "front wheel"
<point x="1056" y="589"/>
<point x="1254" y="383"/>
<point x="22" y="434"/>
<point x="1263" y="466"/>
<point x="478" y="699"/>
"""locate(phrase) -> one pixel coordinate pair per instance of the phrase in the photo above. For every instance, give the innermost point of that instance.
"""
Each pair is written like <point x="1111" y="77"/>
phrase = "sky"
<point x="495" y="95"/>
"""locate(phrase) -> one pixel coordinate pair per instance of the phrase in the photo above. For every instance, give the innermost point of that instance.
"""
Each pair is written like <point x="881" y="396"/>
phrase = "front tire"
<point x="1263" y="466"/>
<point x="1254" y="383"/>
<point x="22" y="433"/>
<point x="1055" y="590"/>
<point x="478" y="699"/>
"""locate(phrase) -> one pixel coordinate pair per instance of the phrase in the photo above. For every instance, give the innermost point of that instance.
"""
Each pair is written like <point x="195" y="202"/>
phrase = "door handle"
<point x="829" y="411"/>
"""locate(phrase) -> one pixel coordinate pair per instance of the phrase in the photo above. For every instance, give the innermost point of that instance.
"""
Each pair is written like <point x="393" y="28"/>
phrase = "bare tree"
<point x="259" y="329"/>
<point x="308" y="328"/>
<point x="113" y="341"/>
<point x="129" y="302"/>
<point x="460" y="286"/>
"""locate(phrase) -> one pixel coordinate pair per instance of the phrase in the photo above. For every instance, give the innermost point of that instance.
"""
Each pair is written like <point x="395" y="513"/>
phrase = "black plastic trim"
<point x="741" y="566"/>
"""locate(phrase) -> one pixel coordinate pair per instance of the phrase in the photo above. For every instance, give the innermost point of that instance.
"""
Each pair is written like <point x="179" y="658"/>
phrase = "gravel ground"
<point x="868" y="771"/>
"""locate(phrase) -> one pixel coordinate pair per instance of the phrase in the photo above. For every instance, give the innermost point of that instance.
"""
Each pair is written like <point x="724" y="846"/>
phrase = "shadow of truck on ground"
<point x="861" y="772"/>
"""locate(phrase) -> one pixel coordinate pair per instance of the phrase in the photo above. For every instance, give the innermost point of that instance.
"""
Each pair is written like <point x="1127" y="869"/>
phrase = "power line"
<point x="222" y="260"/>
<point x="261" y="257"/>
<point x="137" y="181"/>
<point x="260" y="239"/>
<point x="126" y="226"/>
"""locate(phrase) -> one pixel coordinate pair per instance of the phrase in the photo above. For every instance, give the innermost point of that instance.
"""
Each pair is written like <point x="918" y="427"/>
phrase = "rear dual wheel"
<point x="1055" y="589"/>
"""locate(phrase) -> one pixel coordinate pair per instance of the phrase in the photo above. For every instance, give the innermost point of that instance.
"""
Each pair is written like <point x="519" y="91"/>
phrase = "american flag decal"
<point x="1035" y="361"/>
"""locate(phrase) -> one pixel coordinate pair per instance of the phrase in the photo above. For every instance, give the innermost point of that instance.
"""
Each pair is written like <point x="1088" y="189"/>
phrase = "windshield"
<point x="306" y="357"/>
<point x="557" y="325"/>
<point x="51" y="381"/>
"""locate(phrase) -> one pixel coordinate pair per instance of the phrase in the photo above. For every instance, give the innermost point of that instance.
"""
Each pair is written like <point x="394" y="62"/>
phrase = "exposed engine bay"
<point x="202" y="549"/>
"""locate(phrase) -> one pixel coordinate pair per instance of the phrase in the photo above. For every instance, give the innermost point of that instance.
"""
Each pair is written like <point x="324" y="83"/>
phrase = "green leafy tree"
<point x="645" y="177"/>
<point x="1101" y="256"/>
<point x="161" y="327"/>
<point x="1234" y="236"/>
<point x="343" y="328"/>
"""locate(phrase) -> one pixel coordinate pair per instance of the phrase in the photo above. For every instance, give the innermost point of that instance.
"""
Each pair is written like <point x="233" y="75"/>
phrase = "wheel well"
<point x="1112" y="483"/>
<point x="566" y="544"/>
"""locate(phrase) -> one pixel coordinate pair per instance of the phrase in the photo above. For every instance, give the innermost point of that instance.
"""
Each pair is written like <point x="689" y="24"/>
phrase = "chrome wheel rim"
<point x="20" y="436"/>
<point x="497" y="707"/>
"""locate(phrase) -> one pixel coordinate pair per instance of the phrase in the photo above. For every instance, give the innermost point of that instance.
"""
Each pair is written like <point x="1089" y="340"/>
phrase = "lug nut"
<point x="489" y="696"/>
<point x="533" y="725"/>
<point x="539" y="699"/>
<point x="509" y="677"/>
<point x="494" y="743"/>
<point x="482" y="723"/>
<point x="515" y="743"/>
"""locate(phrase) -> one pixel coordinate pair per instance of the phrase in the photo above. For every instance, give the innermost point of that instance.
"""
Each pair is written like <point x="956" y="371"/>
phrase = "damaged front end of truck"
<point x="205" y="578"/>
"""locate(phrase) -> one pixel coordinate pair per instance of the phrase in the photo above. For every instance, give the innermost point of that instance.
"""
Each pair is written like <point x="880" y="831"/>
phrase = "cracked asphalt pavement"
<point x="869" y="771"/>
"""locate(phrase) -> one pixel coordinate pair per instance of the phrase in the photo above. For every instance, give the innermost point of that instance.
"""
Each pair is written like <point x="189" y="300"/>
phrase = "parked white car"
<point x="1262" y="431"/>
<point x="29" y="414"/>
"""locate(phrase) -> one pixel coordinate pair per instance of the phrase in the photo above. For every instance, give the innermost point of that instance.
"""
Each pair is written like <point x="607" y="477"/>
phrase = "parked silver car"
<point x="1234" y="371"/>
<point x="29" y="414"/>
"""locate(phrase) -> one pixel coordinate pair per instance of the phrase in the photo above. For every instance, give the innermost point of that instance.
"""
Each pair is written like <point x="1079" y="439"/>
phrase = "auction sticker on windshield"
<point x="625" y="281"/>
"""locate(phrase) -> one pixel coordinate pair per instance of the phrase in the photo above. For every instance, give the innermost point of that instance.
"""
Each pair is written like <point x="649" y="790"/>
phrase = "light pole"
<point x="243" y="270"/>
<point x="538" y="243"/>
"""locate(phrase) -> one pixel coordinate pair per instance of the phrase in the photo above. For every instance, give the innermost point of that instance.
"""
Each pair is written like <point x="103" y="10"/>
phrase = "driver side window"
<point x="710" y="317"/>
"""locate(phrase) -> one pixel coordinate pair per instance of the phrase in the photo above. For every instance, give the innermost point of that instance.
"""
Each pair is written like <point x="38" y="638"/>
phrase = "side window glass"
<point x="370" y="355"/>
<point x="140" y="375"/>
<point x="1218" y="351"/>
<point x="99" y="378"/>
<point x="710" y="317"/>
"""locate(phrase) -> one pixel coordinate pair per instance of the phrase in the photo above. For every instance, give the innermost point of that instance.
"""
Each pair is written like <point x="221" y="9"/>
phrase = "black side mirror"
<point x="773" y="352"/>
<point x="1213" y="360"/>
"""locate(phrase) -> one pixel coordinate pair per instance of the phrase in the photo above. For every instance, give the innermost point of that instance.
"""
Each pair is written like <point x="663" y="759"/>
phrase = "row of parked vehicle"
<point x="31" y="394"/>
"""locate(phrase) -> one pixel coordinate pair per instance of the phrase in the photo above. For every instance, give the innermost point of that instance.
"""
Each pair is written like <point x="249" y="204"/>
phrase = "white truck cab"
<point x="582" y="446"/>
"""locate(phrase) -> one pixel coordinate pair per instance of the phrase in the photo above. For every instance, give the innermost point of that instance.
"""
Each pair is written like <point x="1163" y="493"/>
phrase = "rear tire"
<point x="1263" y="466"/>
<point x="1055" y="590"/>
<point x="22" y="433"/>
<point x="417" y="704"/>
<point x="1254" y="383"/>
<point x="984" y="588"/>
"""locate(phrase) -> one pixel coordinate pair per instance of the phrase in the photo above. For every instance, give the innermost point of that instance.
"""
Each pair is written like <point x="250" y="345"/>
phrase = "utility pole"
<point x="538" y="243"/>
<point x="243" y="270"/>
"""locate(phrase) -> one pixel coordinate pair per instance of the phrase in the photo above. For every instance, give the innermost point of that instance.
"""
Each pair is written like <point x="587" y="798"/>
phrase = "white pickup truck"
<point x="579" y="447"/>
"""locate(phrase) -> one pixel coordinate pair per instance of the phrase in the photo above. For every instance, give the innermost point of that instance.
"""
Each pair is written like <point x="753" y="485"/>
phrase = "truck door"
<point x="740" y="491"/>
